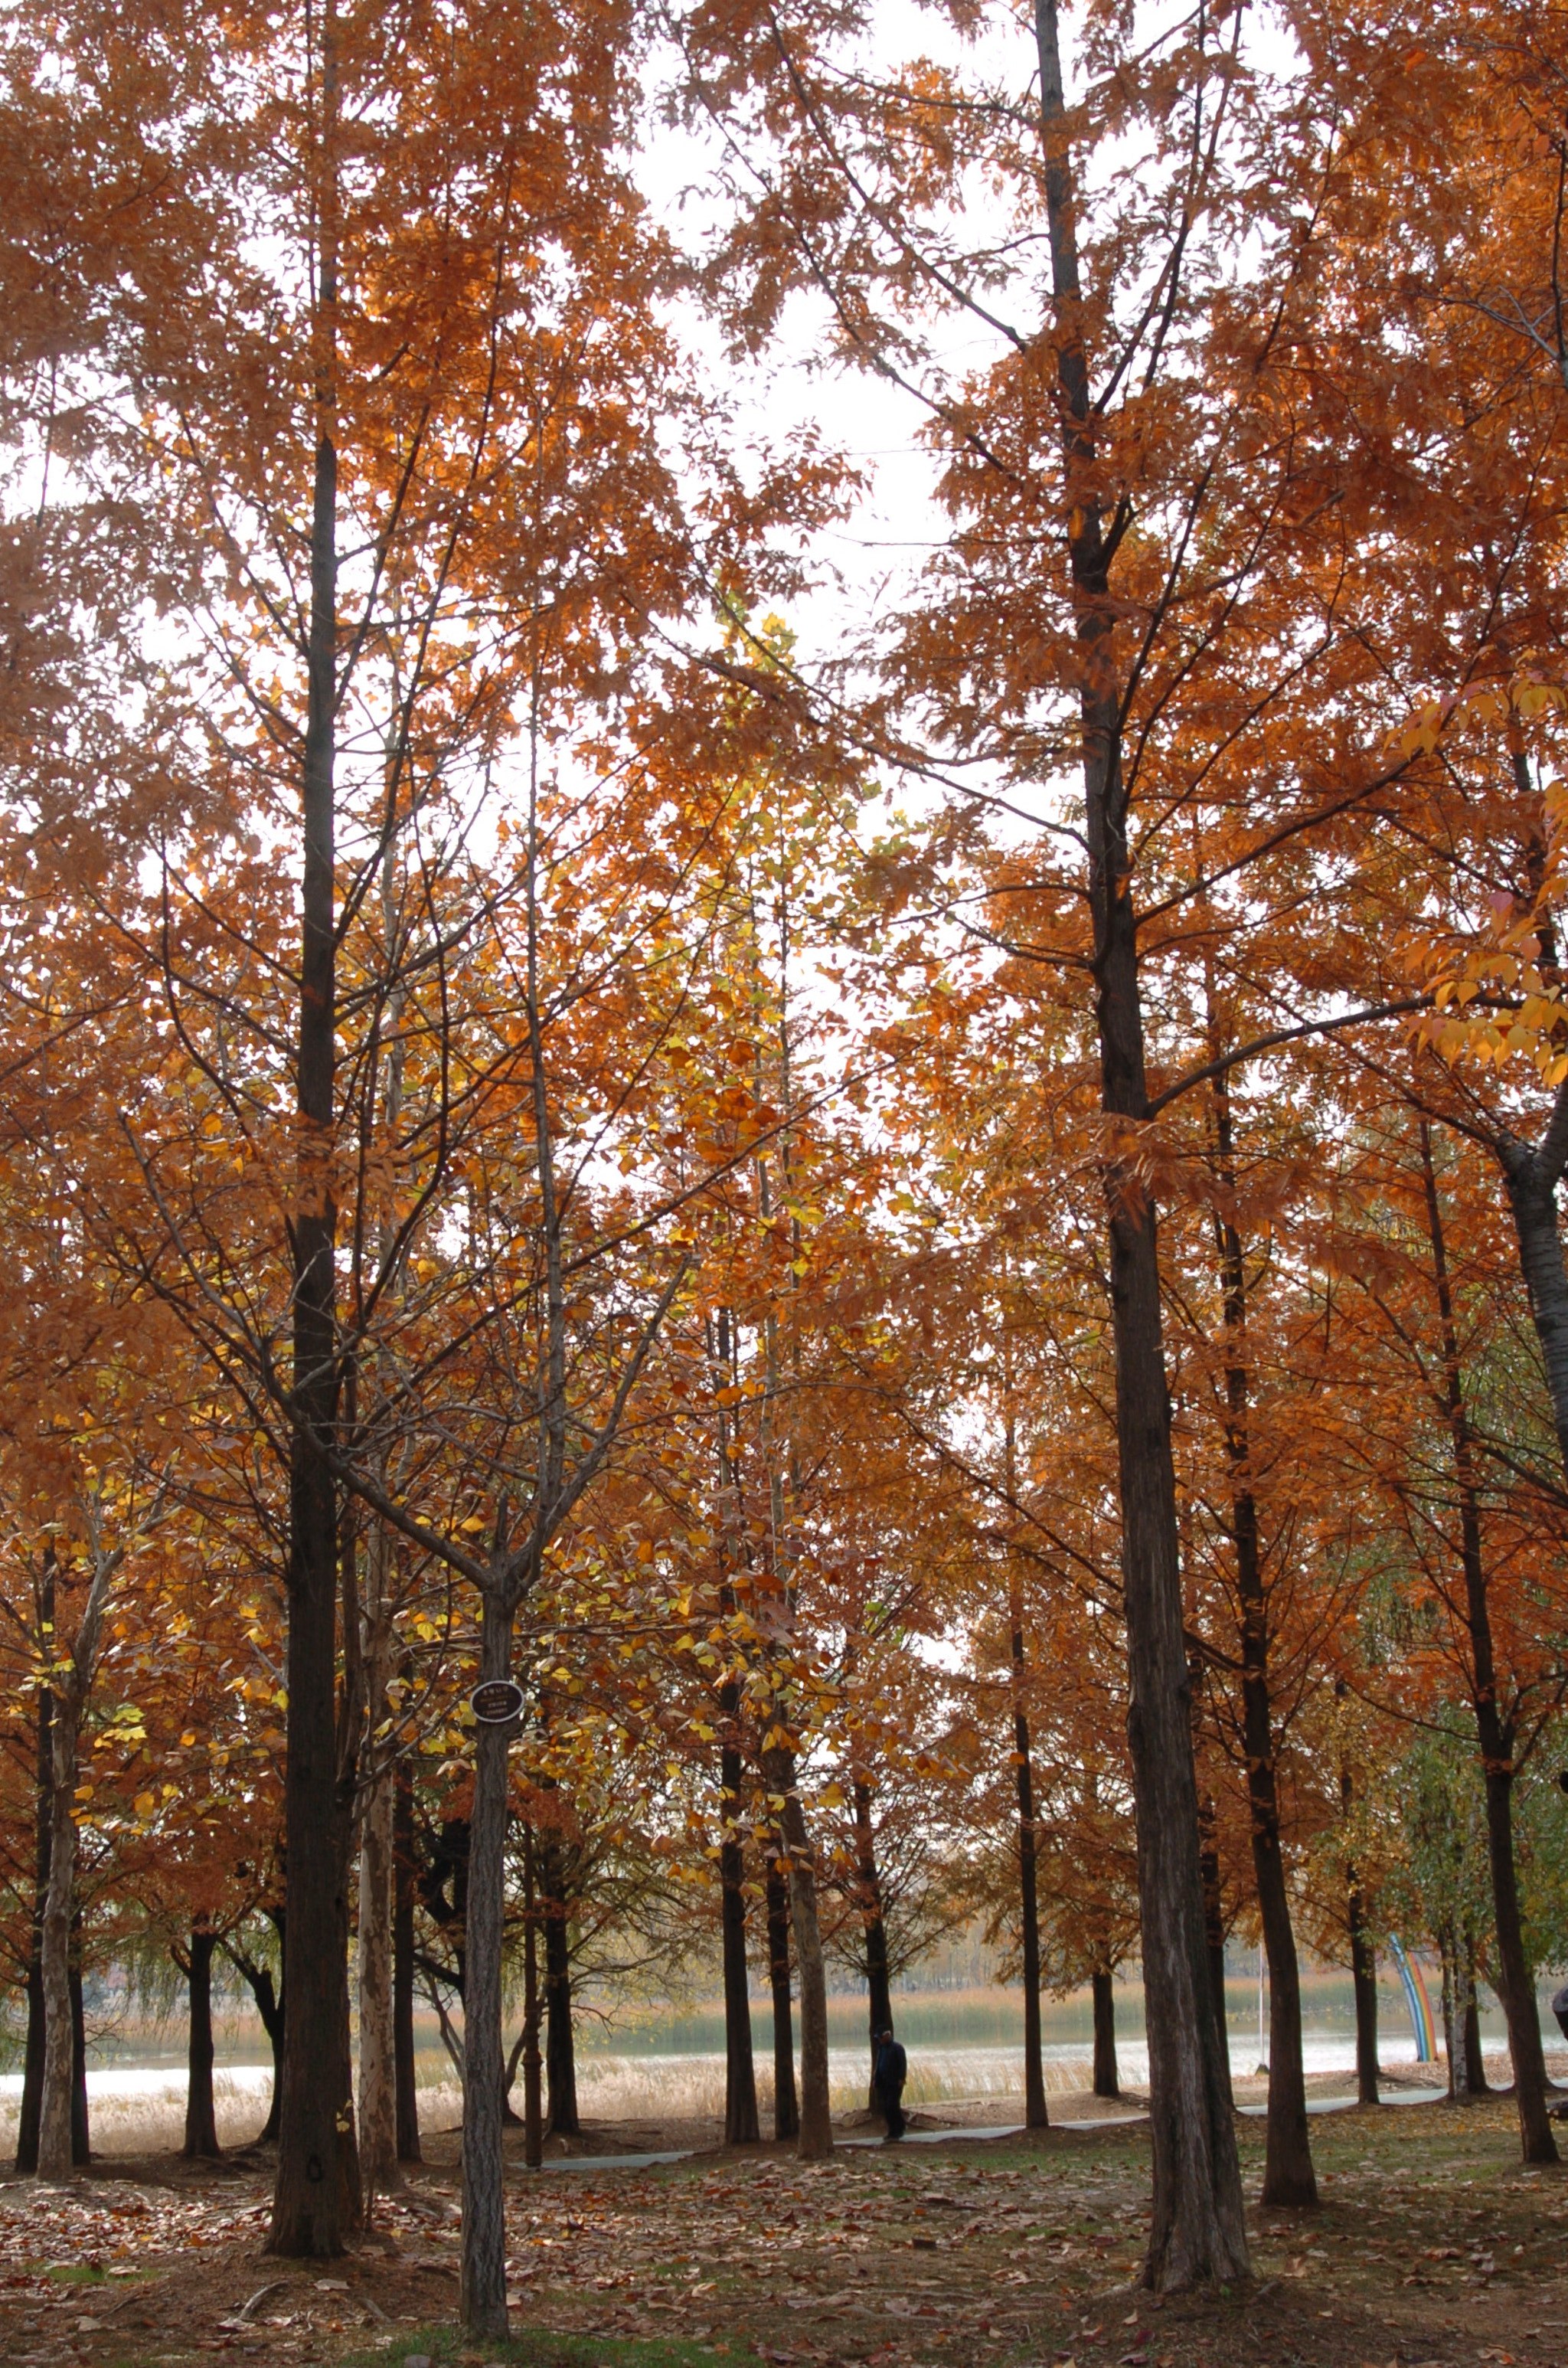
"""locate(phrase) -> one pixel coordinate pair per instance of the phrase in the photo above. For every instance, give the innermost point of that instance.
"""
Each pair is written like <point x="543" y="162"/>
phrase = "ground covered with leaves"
<point x="1431" y="2245"/>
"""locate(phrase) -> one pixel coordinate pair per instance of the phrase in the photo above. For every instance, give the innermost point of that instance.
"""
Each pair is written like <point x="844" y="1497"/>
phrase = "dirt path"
<point x="1432" y="2245"/>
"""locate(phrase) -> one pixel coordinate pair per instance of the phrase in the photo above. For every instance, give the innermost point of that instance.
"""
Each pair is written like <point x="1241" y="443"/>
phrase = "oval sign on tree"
<point x="498" y="1702"/>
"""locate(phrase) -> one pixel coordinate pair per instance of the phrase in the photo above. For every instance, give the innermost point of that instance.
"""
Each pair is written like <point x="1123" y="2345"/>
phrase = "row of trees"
<point x="518" y="1155"/>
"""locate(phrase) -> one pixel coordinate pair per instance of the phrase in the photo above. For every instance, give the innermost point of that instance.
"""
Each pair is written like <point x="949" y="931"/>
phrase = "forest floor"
<point x="1431" y="2246"/>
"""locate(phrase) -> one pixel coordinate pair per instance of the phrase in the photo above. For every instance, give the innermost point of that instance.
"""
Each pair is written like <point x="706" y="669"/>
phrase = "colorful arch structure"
<point x="1420" y="2005"/>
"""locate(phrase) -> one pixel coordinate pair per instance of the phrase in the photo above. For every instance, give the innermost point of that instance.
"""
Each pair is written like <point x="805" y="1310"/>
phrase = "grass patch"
<point x="537" y="2348"/>
<point x="76" y="2274"/>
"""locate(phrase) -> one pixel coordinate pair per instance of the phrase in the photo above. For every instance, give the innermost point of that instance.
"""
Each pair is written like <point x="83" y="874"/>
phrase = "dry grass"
<point x="143" y="2112"/>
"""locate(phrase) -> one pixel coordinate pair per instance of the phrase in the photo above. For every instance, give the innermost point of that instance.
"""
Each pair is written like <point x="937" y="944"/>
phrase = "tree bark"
<point x="1364" y="1976"/>
<point x="1532" y="1196"/>
<point x="483" y="2294"/>
<point x="786" y="2106"/>
<point x="814" y="2139"/>
<point x="378" y="2073"/>
<point x="1476" y="2079"/>
<point x="403" y="1966"/>
<point x="1287" y="2175"/>
<point x="533" y="2116"/>
<point x="1214" y="1934"/>
<point x="741" y="2125"/>
<point x="269" y="2007"/>
<point x="878" y="1988"/>
<point x="80" y="2150"/>
<point x="200" y="2118"/>
<point x="1197" y="2232"/>
<point x="32" y="2059"/>
<point x="316" y="2197"/>
<point x="1494" y="1732"/>
<point x="1036" y="2116"/>
<point x="32" y="2073"/>
<point x="560" y="2058"/>
<point x="1459" y="2019"/>
<point x="56" y="2152"/>
<point x="1105" y="2081"/>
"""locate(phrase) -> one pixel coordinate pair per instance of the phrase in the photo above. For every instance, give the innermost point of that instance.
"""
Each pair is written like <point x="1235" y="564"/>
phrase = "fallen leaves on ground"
<point x="1432" y="2246"/>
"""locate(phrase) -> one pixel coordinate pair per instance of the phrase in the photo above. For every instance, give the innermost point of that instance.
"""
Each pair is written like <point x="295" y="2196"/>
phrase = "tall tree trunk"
<point x="560" y="2057"/>
<point x="200" y="2119"/>
<point x="1474" y="2061"/>
<point x="1364" y="1976"/>
<point x="533" y="2115"/>
<point x="1459" y="2018"/>
<point x="814" y="2139"/>
<point x="403" y="1965"/>
<point x="377" y="2071"/>
<point x="878" y="1988"/>
<point x="1036" y="2116"/>
<point x="786" y="2106"/>
<point x="272" y="2023"/>
<point x="483" y="2298"/>
<point x="1495" y="1733"/>
<point x="32" y="2059"/>
<point x="56" y="2152"/>
<point x="1287" y="2175"/>
<point x="81" y="2148"/>
<point x="1104" y="1989"/>
<point x="1532" y="1179"/>
<point x="1197" y="2232"/>
<point x="43" y="1779"/>
<point x="741" y="2123"/>
<point x="316" y="2196"/>
<point x="269" y="2007"/>
<point x="1214" y="1934"/>
<point x="378" y="2058"/>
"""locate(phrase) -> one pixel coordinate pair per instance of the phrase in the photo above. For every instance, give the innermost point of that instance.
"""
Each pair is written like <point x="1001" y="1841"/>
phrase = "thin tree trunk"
<point x="316" y="2196"/>
<point x="878" y="1988"/>
<point x="484" y="2296"/>
<point x="1459" y="2025"/>
<point x="533" y="2116"/>
<point x="403" y="1966"/>
<point x="56" y="2152"/>
<point x="511" y="2119"/>
<point x="32" y="2072"/>
<point x="1287" y="2175"/>
<point x="200" y="2119"/>
<point x="378" y="2072"/>
<point x="32" y="2060"/>
<point x="1532" y="1196"/>
<point x="814" y="2139"/>
<point x="1198" y="2233"/>
<point x="560" y="2056"/>
<point x="81" y="2148"/>
<point x="273" y="2026"/>
<point x="1451" y="2044"/>
<point x="741" y="2125"/>
<point x="1364" y="1976"/>
<point x="1036" y="2116"/>
<point x="1105" y="2081"/>
<point x="1474" y="2061"/>
<point x="269" y="2007"/>
<point x="786" y="2107"/>
<point x="1495" y="1733"/>
<point x="1214" y="1935"/>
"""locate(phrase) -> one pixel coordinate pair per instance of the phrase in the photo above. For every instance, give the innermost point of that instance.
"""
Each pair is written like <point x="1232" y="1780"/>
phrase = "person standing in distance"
<point x="891" y="2070"/>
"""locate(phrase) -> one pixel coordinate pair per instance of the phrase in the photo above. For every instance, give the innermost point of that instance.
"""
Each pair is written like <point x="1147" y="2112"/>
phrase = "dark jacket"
<point x="892" y="2068"/>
